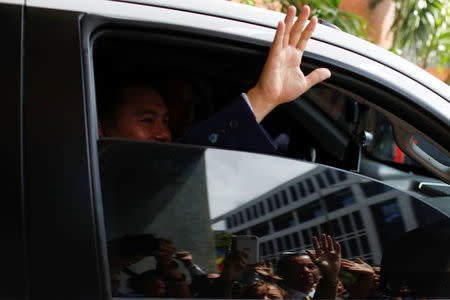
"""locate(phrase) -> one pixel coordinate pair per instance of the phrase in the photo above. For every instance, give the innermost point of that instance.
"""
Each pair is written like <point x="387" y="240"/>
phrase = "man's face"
<point x="142" y="116"/>
<point x="303" y="274"/>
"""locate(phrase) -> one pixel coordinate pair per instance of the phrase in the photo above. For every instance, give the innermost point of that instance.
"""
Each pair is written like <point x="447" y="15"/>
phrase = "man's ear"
<point x="101" y="133"/>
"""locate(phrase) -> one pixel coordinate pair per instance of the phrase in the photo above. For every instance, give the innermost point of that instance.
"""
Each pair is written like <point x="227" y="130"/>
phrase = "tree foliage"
<point x="222" y="239"/>
<point x="421" y="28"/>
<point x="328" y="10"/>
<point x="421" y="31"/>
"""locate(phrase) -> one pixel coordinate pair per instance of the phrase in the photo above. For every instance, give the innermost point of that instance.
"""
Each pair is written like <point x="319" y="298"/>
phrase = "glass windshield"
<point x="180" y="219"/>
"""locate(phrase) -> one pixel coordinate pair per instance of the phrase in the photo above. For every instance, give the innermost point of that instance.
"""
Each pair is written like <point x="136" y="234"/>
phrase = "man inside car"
<point x="141" y="113"/>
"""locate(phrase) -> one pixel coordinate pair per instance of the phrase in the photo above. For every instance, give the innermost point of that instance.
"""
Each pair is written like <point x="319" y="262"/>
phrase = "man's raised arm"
<point x="237" y="126"/>
<point x="282" y="80"/>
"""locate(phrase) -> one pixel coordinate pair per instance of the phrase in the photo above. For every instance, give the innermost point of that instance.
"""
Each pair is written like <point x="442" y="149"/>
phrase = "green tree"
<point x="222" y="239"/>
<point x="328" y="10"/>
<point x="421" y="31"/>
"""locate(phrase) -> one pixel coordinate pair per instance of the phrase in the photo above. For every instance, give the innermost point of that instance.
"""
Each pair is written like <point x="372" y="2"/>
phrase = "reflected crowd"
<point x="319" y="273"/>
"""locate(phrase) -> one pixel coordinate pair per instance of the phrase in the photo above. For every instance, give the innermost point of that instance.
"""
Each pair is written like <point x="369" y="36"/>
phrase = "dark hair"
<point x="133" y="245"/>
<point x="285" y="262"/>
<point x="108" y="92"/>
<point x="249" y="292"/>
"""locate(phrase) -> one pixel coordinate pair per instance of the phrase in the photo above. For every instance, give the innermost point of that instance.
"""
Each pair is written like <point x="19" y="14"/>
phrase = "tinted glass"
<point x="199" y="198"/>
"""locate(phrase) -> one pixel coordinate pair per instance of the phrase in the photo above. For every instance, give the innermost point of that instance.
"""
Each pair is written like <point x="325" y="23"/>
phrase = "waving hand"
<point x="281" y="79"/>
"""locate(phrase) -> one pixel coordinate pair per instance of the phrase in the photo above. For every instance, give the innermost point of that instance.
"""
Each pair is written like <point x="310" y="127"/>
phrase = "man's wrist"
<point x="260" y="106"/>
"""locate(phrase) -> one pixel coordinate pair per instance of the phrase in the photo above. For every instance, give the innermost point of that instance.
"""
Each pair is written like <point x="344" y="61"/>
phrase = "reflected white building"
<point x="359" y="213"/>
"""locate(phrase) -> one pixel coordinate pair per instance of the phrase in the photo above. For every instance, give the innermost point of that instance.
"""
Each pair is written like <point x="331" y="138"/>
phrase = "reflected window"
<point x="280" y="244"/>
<point x="344" y="249"/>
<point x="329" y="176"/>
<point x="339" y="199"/>
<point x="260" y="229"/>
<point x="353" y="247"/>
<point x="282" y="222"/>
<point x="348" y="228"/>
<point x="388" y="220"/>
<point x="287" y="242"/>
<point x="241" y="218"/>
<point x="315" y="231"/>
<point x="341" y="176"/>
<point x="302" y="190"/>
<point x="324" y="228"/>
<point x="293" y="193"/>
<point x="235" y="222"/>
<point x="365" y="244"/>
<point x="270" y="247"/>
<point x="261" y="208"/>
<point x="336" y="227"/>
<point x="358" y="221"/>
<point x="277" y="201"/>
<point x="269" y="204"/>
<point x="248" y="213"/>
<point x="310" y="185"/>
<point x="320" y="181"/>
<point x="373" y="188"/>
<point x="310" y="211"/>
<point x="285" y="198"/>
<point x="296" y="239"/>
<point x="306" y="236"/>
<point x="263" y="249"/>
<point x="255" y="211"/>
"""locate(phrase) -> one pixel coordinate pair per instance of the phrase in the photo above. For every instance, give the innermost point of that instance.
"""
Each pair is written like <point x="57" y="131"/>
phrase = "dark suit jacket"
<point x="234" y="128"/>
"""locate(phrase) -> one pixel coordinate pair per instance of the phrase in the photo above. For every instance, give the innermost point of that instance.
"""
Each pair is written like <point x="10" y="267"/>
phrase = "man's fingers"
<point x="324" y="240"/>
<point x="337" y="247"/>
<point x="311" y="254"/>
<point x="317" y="76"/>
<point x="290" y="15"/>
<point x="316" y="246"/>
<point x="307" y="33"/>
<point x="277" y="44"/>
<point x="346" y="261"/>
<point x="330" y="243"/>
<point x="359" y="260"/>
<point x="297" y="29"/>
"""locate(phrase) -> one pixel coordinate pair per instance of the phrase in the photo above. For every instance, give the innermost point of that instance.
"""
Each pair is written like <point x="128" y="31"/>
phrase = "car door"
<point x="62" y="250"/>
<point x="143" y="182"/>
<point x="13" y="279"/>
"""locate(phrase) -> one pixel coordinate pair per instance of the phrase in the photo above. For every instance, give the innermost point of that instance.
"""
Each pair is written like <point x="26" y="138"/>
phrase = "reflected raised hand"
<point x="327" y="257"/>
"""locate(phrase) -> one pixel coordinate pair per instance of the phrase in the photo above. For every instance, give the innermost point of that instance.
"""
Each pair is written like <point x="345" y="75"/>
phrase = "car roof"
<point x="267" y="18"/>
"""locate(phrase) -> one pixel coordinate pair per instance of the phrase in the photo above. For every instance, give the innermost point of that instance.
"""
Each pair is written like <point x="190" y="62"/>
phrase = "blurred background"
<point x="417" y="30"/>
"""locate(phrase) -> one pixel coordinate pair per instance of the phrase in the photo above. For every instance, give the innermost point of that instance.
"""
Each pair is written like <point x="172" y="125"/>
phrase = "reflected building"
<point x="359" y="213"/>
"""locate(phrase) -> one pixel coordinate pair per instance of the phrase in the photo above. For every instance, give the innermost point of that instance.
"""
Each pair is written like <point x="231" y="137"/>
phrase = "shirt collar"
<point x="295" y="294"/>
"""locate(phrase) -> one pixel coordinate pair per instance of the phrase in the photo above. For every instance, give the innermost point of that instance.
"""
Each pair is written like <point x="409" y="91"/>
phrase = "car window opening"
<point x="158" y="209"/>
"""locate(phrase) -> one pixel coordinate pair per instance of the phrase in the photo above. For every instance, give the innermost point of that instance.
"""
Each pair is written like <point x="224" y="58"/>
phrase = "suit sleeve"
<point x="233" y="128"/>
